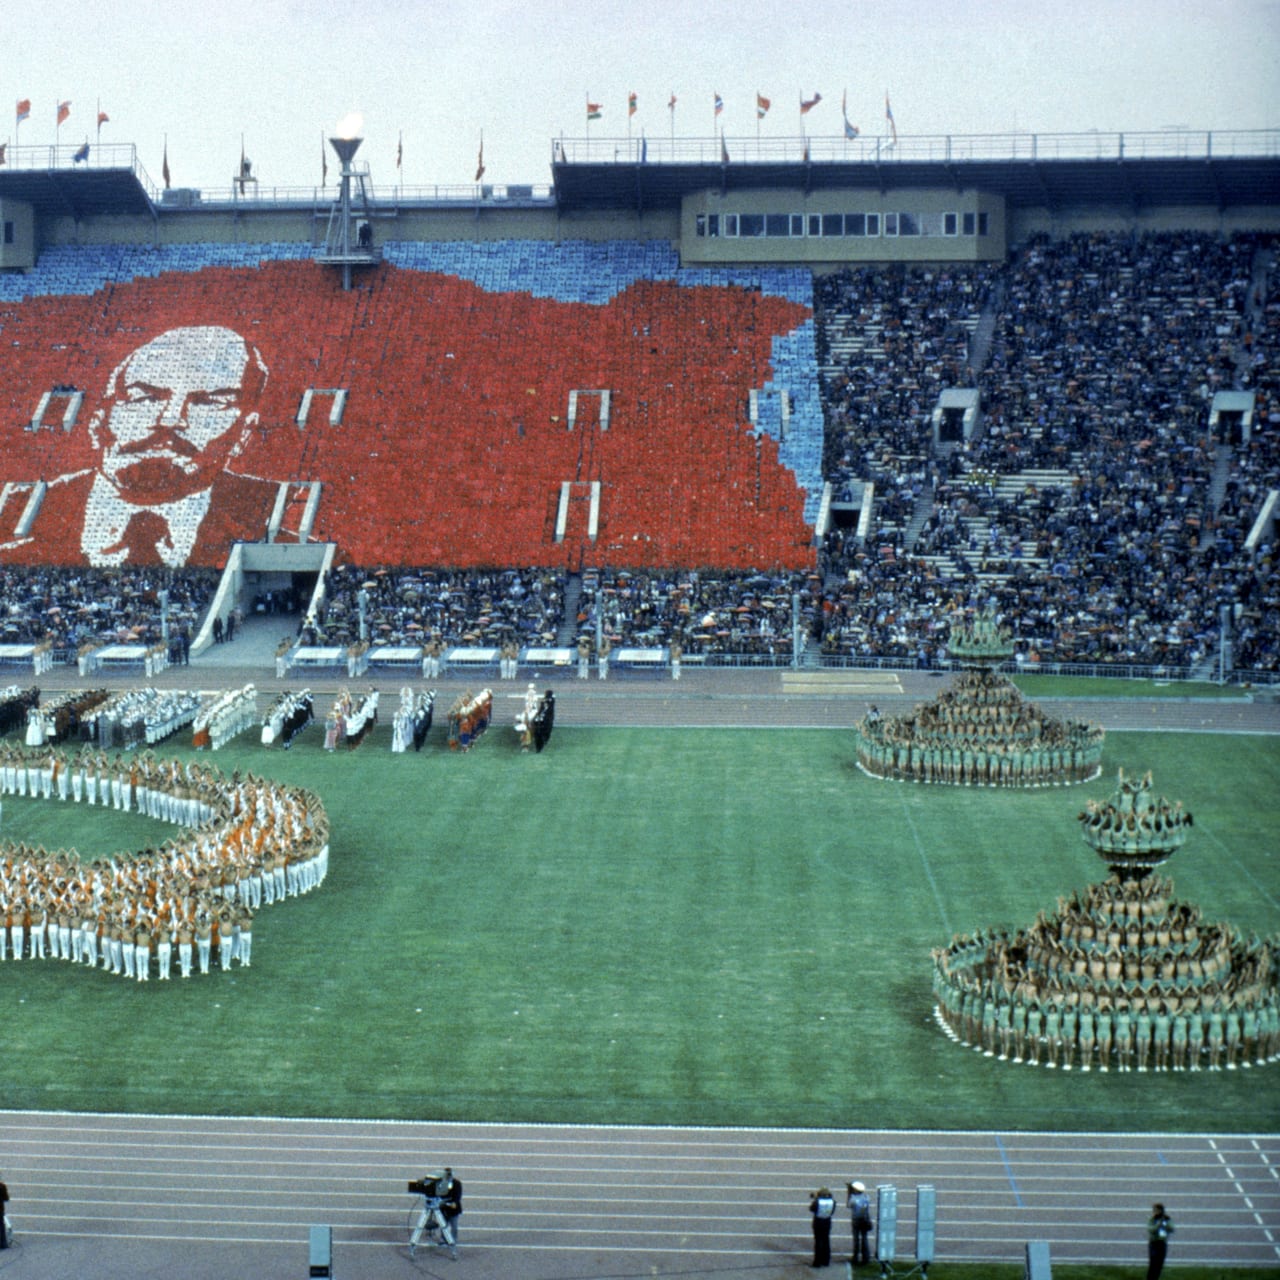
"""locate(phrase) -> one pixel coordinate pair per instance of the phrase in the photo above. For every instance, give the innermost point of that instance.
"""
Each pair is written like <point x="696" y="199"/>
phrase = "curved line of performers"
<point x="1159" y="987"/>
<point x="248" y="842"/>
<point x="977" y="761"/>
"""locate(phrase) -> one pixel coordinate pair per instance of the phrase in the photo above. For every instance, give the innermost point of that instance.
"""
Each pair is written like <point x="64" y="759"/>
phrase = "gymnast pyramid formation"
<point x="980" y="731"/>
<point x="1123" y="974"/>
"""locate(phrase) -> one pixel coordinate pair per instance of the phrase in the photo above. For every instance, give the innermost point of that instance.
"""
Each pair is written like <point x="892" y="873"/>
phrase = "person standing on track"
<point x="859" y="1203"/>
<point x="1159" y="1229"/>
<point x="451" y="1205"/>
<point x="822" y="1206"/>
<point x="4" y="1216"/>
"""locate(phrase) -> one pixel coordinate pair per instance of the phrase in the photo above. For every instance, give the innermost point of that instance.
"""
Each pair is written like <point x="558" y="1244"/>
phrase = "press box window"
<point x="833" y="224"/>
<point x="815" y="224"/>
<point x="751" y="224"/>
<point x="873" y="224"/>
<point x="855" y="224"/>
<point x="949" y="224"/>
<point x="908" y="224"/>
<point x="891" y="224"/>
<point x="8" y="232"/>
<point x="731" y="224"/>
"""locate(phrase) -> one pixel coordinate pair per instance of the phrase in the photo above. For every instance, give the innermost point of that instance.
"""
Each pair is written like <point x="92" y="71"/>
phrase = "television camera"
<point x="430" y="1220"/>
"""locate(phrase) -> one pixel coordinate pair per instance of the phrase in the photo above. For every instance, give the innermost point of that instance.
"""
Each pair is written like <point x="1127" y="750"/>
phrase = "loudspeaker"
<point x="926" y="1213"/>
<point x="886" y="1223"/>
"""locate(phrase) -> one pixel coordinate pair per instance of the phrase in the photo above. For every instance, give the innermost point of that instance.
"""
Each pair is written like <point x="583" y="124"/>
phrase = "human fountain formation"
<point x="1122" y="975"/>
<point x="980" y="731"/>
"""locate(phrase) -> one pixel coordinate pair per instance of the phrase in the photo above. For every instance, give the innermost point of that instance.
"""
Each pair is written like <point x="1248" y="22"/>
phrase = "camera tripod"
<point x="429" y="1223"/>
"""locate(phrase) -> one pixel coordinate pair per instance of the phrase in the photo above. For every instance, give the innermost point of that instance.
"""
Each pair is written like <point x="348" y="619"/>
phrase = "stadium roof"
<point x="108" y="181"/>
<point x="1051" y="171"/>
<point x="1057" y="171"/>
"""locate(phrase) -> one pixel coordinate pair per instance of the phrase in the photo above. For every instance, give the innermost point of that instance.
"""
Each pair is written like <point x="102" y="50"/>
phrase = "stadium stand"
<point x="531" y="410"/>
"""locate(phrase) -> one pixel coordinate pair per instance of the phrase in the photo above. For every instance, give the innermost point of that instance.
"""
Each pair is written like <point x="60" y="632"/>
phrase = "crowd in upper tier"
<point x="1093" y="506"/>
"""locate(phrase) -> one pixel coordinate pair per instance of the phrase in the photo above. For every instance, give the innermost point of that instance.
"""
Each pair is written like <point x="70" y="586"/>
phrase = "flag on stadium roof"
<point x="82" y="153"/>
<point x="762" y="105"/>
<point x="888" y="115"/>
<point x="594" y="110"/>
<point x="631" y="104"/>
<point x="480" y="160"/>
<point x="644" y="149"/>
<point x="102" y="118"/>
<point x="164" y="168"/>
<point x="400" y="151"/>
<point x="3" y="146"/>
<point x="724" y="151"/>
<point x="324" y="161"/>
<point x="806" y="107"/>
<point x="671" y="106"/>
<point x="24" y="109"/>
<point x="850" y="130"/>
<point x="719" y="104"/>
<point x="64" y="111"/>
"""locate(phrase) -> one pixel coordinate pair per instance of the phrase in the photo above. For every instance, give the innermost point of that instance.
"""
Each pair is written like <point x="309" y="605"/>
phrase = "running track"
<point x="126" y="1196"/>
<point x="130" y="1197"/>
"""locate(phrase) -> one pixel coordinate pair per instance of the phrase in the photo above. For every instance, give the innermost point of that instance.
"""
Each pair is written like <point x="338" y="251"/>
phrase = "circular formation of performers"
<point x="247" y="843"/>
<point x="979" y="731"/>
<point x="1123" y="973"/>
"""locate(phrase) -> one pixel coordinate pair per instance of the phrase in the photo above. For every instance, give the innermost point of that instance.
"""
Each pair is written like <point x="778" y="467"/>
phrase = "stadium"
<point x="720" y="443"/>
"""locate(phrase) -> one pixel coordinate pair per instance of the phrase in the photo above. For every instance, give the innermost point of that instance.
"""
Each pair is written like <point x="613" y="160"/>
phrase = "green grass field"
<point x="659" y="926"/>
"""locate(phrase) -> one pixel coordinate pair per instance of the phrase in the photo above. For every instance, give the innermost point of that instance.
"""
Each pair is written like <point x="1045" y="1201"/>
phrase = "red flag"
<point x="762" y="106"/>
<point x="102" y="118"/>
<point x="64" y="111"/>
<point x="24" y="109"/>
<point x="671" y="106"/>
<point x="806" y="107"/>
<point x="631" y="104"/>
<point x="594" y="110"/>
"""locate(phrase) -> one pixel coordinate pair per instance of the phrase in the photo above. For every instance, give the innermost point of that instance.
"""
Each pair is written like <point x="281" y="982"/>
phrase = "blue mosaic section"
<point x="67" y="269"/>
<point x="573" y="271"/>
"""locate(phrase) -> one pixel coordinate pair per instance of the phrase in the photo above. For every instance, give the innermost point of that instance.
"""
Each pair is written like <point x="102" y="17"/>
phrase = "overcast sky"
<point x="282" y="73"/>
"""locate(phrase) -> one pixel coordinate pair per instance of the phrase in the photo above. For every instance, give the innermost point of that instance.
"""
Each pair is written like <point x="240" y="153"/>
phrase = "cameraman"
<point x="441" y="1205"/>
<point x="450" y="1191"/>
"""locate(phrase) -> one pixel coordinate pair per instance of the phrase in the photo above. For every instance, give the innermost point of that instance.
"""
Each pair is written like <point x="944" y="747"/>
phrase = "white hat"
<point x="857" y="1186"/>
